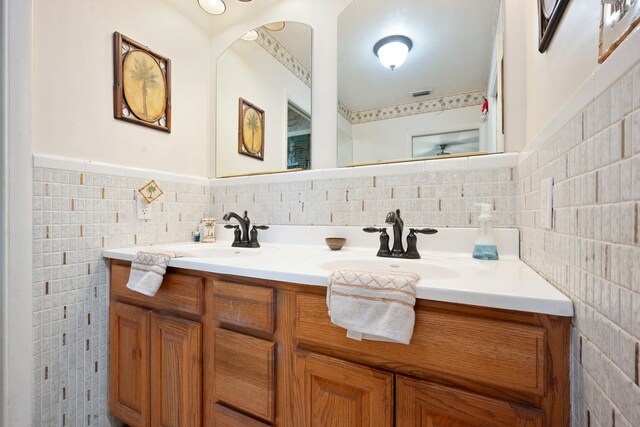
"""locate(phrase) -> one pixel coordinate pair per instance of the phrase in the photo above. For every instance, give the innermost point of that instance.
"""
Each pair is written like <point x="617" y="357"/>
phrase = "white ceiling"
<point x="235" y="13"/>
<point x="452" y="43"/>
<point x="296" y="38"/>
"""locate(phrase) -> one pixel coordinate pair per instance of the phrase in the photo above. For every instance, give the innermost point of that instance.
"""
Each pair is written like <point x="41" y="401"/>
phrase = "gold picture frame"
<point x="250" y="130"/>
<point x="142" y="84"/>
<point x="617" y="21"/>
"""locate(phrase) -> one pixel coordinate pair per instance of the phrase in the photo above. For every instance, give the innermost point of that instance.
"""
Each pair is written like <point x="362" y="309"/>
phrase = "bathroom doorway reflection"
<point x="298" y="137"/>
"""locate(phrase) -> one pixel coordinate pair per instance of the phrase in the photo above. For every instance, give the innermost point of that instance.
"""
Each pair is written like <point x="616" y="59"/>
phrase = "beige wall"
<point x="572" y="56"/>
<point x="73" y="80"/>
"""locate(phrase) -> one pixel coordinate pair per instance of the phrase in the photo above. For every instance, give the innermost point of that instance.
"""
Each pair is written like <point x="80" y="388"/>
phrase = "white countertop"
<point x="445" y="276"/>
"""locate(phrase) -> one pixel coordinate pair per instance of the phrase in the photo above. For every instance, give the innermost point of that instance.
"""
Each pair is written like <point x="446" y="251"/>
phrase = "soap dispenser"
<point x="485" y="247"/>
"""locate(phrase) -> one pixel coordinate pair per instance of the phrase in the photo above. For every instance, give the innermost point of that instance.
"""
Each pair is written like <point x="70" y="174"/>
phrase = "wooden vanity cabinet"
<point x="155" y="354"/>
<point x="224" y="351"/>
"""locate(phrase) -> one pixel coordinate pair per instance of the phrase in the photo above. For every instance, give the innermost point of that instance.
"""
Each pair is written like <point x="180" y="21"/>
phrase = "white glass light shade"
<point x="393" y="55"/>
<point x="250" y="36"/>
<point x="393" y="50"/>
<point x="214" y="7"/>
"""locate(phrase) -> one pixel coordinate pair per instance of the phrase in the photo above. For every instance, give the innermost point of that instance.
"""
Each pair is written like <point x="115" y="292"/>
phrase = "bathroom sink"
<point x="427" y="268"/>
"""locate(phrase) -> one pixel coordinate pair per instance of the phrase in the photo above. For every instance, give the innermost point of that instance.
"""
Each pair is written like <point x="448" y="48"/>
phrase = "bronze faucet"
<point x="398" y="251"/>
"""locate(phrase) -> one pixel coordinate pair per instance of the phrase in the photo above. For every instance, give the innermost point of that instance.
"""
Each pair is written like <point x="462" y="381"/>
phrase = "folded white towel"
<point x="373" y="305"/>
<point x="147" y="271"/>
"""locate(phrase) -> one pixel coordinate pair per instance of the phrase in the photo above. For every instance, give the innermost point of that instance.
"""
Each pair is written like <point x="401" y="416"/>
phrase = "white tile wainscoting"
<point x="593" y="253"/>
<point x="77" y="212"/>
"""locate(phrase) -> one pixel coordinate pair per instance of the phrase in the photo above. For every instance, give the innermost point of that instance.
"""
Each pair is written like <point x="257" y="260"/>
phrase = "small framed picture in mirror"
<point x="618" y="19"/>
<point x="250" y="130"/>
<point x="549" y="15"/>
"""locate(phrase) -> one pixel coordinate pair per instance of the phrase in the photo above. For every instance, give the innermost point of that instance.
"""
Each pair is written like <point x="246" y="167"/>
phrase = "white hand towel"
<point x="373" y="305"/>
<point x="147" y="271"/>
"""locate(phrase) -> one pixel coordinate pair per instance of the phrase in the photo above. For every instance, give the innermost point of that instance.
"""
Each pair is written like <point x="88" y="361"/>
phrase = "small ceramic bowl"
<point x="335" y="243"/>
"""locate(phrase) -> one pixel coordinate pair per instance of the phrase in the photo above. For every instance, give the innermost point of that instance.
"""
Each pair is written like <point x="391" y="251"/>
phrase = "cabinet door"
<point x="424" y="404"/>
<point x="176" y="372"/>
<point x="129" y="364"/>
<point x="336" y="393"/>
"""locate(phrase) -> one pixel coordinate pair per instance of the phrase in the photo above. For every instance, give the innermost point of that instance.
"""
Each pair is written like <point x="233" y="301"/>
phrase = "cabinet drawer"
<point x="494" y="352"/>
<point x="244" y="306"/>
<point x="225" y="417"/>
<point x="245" y="373"/>
<point x="179" y="292"/>
<point x="423" y="404"/>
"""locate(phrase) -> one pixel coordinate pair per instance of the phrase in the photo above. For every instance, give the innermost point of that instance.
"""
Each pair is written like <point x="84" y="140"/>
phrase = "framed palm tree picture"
<point x="250" y="130"/>
<point x="142" y="84"/>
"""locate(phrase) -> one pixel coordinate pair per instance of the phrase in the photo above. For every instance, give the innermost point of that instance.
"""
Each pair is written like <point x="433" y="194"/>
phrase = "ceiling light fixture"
<point x="275" y="26"/>
<point x="214" y="7"/>
<point x="250" y="36"/>
<point x="393" y="50"/>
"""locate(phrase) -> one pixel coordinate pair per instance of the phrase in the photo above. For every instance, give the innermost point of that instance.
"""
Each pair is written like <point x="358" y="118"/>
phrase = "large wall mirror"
<point x="419" y="79"/>
<point x="263" y="119"/>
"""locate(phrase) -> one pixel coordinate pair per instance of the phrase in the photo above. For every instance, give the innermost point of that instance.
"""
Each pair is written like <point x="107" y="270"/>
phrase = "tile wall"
<point x="77" y="215"/>
<point x="593" y="252"/>
<point x="441" y="193"/>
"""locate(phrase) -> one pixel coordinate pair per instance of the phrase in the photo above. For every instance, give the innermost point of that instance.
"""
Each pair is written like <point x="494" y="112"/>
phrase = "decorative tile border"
<point x="430" y="105"/>
<point x="345" y="111"/>
<point x="279" y="52"/>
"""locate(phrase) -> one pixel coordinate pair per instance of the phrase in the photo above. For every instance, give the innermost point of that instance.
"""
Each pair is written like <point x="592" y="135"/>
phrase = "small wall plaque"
<point x="151" y="191"/>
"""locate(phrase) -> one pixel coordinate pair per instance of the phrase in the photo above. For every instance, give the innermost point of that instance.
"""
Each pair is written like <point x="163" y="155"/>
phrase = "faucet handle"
<point x="423" y="230"/>
<point x="384" y="240"/>
<point x="253" y="243"/>
<point x="230" y="226"/>
<point x="373" y="230"/>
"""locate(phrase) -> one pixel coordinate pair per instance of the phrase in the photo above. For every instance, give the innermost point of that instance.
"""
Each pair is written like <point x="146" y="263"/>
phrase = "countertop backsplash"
<point x="442" y="194"/>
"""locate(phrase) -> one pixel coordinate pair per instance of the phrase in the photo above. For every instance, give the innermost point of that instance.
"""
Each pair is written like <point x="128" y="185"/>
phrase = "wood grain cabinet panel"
<point x="449" y="343"/>
<point x="179" y="293"/>
<point x="176" y="372"/>
<point x="336" y="393"/>
<point x="225" y="417"/>
<point x="245" y="306"/>
<point x="129" y="364"/>
<point x="424" y="404"/>
<point x="244" y="373"/>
